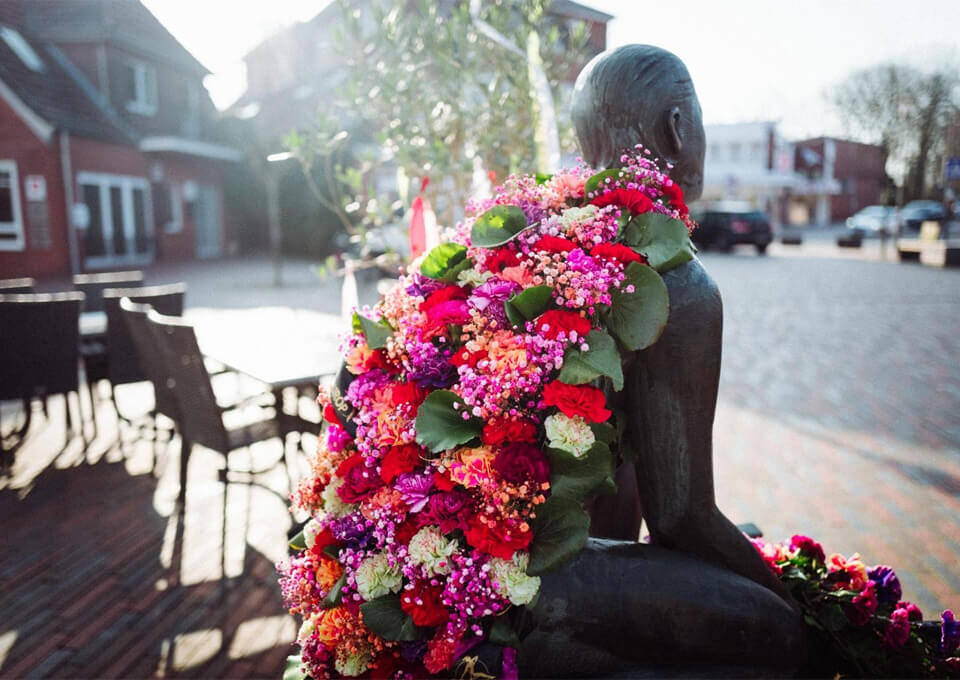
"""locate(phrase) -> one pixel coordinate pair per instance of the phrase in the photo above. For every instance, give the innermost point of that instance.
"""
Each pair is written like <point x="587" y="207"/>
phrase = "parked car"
<point x="915" y="213"/>
<point x="873" y="221"/>
<point x="728" y="223"/>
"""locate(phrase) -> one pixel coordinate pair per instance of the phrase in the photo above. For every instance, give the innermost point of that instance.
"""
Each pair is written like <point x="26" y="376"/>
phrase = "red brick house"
<point x="109" y="153"/>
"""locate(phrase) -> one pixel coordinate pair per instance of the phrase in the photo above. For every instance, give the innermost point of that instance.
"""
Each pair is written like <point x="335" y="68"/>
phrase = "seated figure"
<point x="700" y="594"/>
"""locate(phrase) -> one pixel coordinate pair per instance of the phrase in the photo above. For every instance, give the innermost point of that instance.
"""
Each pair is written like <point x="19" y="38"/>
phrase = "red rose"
<point x="554" y="244"/>
<point x="501" y="259"/>
<point x="502" y="540"/>
<point x="399" y="459"/>
<point x="501" y="430"/>
<point x="422" y="603"/>
<point x="359" y="481"/>
<point x="551" y="324"/>
<point x="577" y="400"/>
<point x="407" y="393"/>
<point x="633" y="200"/>
<point x="617" y="252"/>
<point x="441" y="295"/>
<point x="521" y="462"/>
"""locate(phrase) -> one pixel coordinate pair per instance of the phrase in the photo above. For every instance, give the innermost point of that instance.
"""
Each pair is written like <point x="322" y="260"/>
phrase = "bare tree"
<point x="905" y="109"/>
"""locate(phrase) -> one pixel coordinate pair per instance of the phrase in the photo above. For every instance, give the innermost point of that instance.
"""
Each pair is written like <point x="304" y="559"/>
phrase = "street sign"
<point x="951" y="169"/>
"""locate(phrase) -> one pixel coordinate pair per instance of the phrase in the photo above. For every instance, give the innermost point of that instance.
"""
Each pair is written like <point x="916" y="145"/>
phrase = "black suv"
<point x="724" y="225"/>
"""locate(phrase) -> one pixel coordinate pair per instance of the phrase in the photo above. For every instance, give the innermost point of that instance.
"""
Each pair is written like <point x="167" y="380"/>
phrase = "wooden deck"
<point x="104" y="575"/>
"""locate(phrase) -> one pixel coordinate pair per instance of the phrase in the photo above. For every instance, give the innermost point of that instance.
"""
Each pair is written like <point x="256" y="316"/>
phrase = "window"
<point x="168" y="209"/>
<point x="141" y="88"/>
<point x="11" y="220"/>
<point x="120" y="229"/>
<point x="21" y="48"/>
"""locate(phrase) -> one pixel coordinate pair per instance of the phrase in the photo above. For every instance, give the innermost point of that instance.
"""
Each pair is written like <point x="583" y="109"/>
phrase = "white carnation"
<point x="512" y="581"/>
<point x="429" y="549"/>
<point x="310" y="531"/>
<point x="351" y="665"/>
<point x="572" y="435"/>
<point x="472" y="277"/>
<point x="375" y="577"/>
<point x="571" y="218"/>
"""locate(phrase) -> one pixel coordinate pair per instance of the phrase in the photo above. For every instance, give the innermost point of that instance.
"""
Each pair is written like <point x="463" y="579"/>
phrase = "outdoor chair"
<point x="39" y="353"/>
<point x="114" y="358"/>
<point x="199" y="418"/>
<point x="16" y="286"/>
<point x="93" y="285"/>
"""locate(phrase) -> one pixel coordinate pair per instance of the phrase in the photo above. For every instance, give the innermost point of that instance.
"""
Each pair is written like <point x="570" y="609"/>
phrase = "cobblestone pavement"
<point x="839" y="412"/>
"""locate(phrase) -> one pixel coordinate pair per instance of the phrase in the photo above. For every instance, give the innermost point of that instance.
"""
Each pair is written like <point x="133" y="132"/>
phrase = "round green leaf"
<point x="637" y="319"/>
<point x="386" y="617"/>
<point x="444" y="262"/>
<point x="578" y="478"/>
<point x="664" y="241"/>
<point x="375" y="333"/>
<point x="560" y="531"/>
<point x="532" y="302"/>
<point x="602" y="359"/>
<point x="600" y="178"/>
<point x="440" y="426"/>
<point x="497" y="226"/>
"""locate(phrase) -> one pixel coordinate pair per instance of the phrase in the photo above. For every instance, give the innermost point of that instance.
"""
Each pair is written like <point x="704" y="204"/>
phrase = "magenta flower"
<point x="490" y="297"/>
<point x="415" y="490"/>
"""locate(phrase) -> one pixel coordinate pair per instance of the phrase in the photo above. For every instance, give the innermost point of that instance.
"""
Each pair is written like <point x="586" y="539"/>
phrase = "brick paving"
<point x="838" y="417"/>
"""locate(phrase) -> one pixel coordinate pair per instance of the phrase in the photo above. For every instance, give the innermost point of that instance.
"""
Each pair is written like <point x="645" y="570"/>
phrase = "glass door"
<point x="120" y="229"/>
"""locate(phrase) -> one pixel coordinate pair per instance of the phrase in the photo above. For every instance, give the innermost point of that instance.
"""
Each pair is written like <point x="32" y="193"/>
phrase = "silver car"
<point x="871" y="220"/>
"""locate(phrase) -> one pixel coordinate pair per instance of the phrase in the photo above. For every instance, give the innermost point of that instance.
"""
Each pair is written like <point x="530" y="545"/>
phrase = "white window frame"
<point x="175" y="225"/>
<point x="127" y="184"/>
<point x="144" y="102"/>
<point x="18" y="243"/>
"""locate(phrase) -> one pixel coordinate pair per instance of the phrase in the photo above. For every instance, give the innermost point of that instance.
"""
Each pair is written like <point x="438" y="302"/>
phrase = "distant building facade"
<point x="842" y="177"/>
<point x="109" y="155"/>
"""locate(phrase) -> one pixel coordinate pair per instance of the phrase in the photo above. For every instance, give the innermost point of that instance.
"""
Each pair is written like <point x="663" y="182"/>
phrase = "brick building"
<point x="842" y="177"/>
<point x="109" y="154"/>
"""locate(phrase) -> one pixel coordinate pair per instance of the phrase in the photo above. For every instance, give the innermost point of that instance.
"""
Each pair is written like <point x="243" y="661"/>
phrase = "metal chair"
<point x="93" y="286"/>
<point x="39" y="354"/>
<point x="199" y="417"/>
<point x="115" y="359"/>
<point x="16" y="286"/>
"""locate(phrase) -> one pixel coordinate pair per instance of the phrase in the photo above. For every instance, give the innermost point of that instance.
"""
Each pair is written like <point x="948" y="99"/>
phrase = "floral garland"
<point x="858" y="615"/>
<point x="470" y="424"/>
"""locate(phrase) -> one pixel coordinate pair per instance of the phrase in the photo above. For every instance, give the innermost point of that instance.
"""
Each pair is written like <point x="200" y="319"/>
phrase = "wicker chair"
<point x="199" y="417"/>
<point x="93" y="286"/>
<point x="39" y="352"/>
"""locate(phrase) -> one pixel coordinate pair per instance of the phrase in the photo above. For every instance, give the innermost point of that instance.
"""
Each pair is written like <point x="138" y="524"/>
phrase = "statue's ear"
<point x="674" y="137"/>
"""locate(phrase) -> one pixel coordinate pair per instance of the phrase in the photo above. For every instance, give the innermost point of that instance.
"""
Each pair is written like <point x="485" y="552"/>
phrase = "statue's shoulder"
<point x="691" y="287"/>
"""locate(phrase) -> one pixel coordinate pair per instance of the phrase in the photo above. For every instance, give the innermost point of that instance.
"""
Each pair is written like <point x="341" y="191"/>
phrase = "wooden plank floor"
<point x="103" y="575"/>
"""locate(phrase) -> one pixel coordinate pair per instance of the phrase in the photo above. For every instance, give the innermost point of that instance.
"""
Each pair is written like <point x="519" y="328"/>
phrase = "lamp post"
<point x="273" y="213"/>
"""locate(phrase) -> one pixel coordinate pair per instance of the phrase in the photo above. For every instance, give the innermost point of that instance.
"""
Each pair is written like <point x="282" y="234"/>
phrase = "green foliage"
<point x="298" y="542"/>
<point x="560" y="530"/>
<point x="637" y="319"/>
<point x="445" y="262"/>
<point x="663" y="240"/>
<point x="528" y="304"/>
<point x="376" y="334"/>
<point x="600" y="178"/>
<point x="502" y="633"/>
<point x="497" y="226"/>
<point x="336" y="592"/>
<point x="440" y="426"/>
<point x="293" y="668"/>
<point x="602" y="359"/>
<point x="385" y="617"/>
<point x="578" y="478"/>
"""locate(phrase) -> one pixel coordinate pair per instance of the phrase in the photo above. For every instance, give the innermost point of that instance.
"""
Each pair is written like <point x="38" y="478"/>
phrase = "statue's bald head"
<point x="641" y="94"/>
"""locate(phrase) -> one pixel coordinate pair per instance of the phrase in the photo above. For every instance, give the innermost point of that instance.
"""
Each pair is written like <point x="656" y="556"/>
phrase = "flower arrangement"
<point x="471" y="422"/>
<point x="859" y="615"/>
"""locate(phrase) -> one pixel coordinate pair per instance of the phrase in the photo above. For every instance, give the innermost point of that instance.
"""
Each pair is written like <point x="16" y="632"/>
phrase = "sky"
<point x="749" y="59"/>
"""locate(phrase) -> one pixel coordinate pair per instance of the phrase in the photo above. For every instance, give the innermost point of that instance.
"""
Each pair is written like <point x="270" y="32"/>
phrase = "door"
<point x="208" y="223"/>
<point x="120" y="229"/>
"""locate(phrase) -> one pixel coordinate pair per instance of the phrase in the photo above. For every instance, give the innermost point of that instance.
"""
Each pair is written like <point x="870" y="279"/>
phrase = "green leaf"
<point x="298" y="542"/>
<point x="293" y="669"/>
<point x="560" y="530"/>
<point x="663" y="240"/>
<point x="531" y="302"/>
<point x="335" y="594"/>
<point x="502" y="633"/>
<point x="833" y="619"/>
<point x="355" y="323"/>
<point x="440" y="426"/>
<point x="497" y="226"/>
<point x="637" y="319"/>
<point x="602" y="359"/>
<point x="543" y="177"/>
<point x="445" y="262"/>
<point x="578" y="478"/>
<point x="600" y="178"/>
<point x="385" y="617"/>
<point x="604" y="432"/>
<point x="376" y="334"/>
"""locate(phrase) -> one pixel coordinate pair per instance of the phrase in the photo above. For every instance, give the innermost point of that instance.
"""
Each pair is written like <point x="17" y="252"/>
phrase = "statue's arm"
<point x="672" y="396"/>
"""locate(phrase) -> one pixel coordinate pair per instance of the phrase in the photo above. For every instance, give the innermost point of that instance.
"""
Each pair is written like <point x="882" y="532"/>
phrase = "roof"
<point x="59" y="94"/>
<point x="126" y="23"/>
<point x="568" y="8"/>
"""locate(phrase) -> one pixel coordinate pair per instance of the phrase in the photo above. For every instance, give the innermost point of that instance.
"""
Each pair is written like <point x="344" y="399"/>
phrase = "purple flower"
<point x="887" y="584"/>
<point x="448" y="511"/>
<point x="337" y="438"/>
<point x="949" y="633"/>
<point x="415" y="490"/>
<point x="433" y="372"/>
<point x="364" y="385"/>
<point x="423" y="286"/>
<point x="413" y="650"/>
<point x="490" y="297"/>
<point x="352" y="530"/>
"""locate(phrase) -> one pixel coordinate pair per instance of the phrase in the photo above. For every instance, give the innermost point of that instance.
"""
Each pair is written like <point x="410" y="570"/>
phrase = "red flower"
<point x="675" y="194"/>
<point x="322" y="540"/>
<point x="618" y="253"/>
<point x="407" y="393"/>
<point x="863" y="606"/>
<point x="501" y="430"/>
<point x="441" y="295"/>
<point x="633" y="200"/>
<point x="913" y="611"/>
<point x="577" y="400"/>
<point x="521" y="462"/>
<point x="399" y="459"/>
<point x="501" y="259"/>
<point x="330" y="414"/>
<point x="450" y="312"/>
<point x="376" y="359"/>
<point x="422" y="603"/>
<point x="358" y="480"/>
<point x="502" y="540"/>
<point x="554" y="244"/>
<point x="464" y="356"/>
<point x="809" y="547"/>
<point x="551" y="324"/>
<point x="442" y="482"/>
<point x="406" y="529"/>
